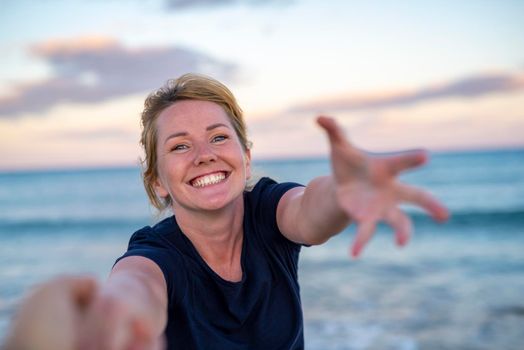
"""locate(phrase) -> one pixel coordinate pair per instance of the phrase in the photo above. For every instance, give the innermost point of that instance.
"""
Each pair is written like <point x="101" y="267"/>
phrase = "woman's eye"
<point x="219" y="138"/>
<point x="179" y="148"/>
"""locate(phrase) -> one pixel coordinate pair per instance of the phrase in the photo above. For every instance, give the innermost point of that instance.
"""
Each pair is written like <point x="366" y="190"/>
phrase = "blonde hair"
<point x="187" y="87"/>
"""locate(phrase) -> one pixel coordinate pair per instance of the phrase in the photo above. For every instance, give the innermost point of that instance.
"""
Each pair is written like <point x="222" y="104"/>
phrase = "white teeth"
<point x="207" y="180"/>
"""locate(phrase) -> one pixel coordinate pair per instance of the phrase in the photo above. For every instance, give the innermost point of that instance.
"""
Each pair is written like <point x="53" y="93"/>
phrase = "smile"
<point x="209" y="179"/>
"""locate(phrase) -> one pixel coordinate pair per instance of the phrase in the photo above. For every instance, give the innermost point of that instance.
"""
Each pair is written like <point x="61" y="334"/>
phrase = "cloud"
<point x="184" y="4"/>
<point x="470" y="87"/>
<point x="113" y="134"/>
<point x="187" y="4"/>
<point x="94" y="69"/>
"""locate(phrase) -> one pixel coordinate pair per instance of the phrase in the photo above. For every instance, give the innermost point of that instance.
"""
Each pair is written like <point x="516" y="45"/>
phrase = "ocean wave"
<point x="511" y="217"/>
<point x="514" y="216"/>
<point x="42" y="225"/>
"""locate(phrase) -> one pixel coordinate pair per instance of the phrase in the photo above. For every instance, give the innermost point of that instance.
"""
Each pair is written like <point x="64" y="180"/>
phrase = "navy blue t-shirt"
<point x="262" y="311"/>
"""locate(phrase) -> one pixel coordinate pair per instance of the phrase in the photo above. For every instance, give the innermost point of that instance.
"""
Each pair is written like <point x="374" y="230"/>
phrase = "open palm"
<point x="369" y="191"/>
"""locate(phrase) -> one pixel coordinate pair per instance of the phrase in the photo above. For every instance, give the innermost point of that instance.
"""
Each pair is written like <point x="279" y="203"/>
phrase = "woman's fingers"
<point x="335" y="133"/>
<point x="364" y="232"/>
<point x="83" y="290"/>
<point x="347" y="161"/>
<point x="424" y="200"/>
<point x="62" y="300"/>
<point x="112" y="324"/>
<point x="402" y="161"/>
<point x="401" y="223"/>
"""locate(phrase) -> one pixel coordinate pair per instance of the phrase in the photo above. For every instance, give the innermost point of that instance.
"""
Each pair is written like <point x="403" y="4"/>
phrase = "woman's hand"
<point x="111" y="323"/>
<point x="368" y="190"/>
<point x="75" y="313"/>
<point x="129" y="311"/>
<point x="50" y="317"/>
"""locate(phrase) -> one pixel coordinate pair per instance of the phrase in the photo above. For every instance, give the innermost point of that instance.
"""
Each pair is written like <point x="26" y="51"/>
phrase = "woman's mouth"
<point x="209" y="179"/>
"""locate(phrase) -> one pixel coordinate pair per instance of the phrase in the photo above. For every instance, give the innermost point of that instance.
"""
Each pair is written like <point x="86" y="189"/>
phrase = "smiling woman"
<point x="199" y="164"/>
<point x="221" y="272"/>
<point x="188" y="87"/>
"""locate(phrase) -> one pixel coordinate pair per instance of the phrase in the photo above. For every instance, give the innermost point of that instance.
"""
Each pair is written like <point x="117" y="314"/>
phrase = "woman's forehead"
<point x="191" y="114"/>
<point x="193" y="107"/>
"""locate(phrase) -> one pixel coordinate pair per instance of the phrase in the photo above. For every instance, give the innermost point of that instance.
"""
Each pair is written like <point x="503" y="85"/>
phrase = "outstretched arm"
<point x="362" y="188"/>
<point x="129" y="311"/>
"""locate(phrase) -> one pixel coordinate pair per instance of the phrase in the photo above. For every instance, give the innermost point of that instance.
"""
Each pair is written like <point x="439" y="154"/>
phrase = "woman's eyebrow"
<point x="176" y="134"/>
<point x="216" y="125"/>
<point x="184" y="133"/>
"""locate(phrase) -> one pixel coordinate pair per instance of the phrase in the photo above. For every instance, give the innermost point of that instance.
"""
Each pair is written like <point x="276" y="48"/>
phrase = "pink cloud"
<point x="94" y="69"/>
<point x="469" y="87"/>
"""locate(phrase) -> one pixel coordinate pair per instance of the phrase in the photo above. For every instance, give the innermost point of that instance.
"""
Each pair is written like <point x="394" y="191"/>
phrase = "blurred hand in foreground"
<point x="50" y="317"/>
<point x="114" y="322"/>
<point x="369" y="191"/>
<point x="72" y="313"/>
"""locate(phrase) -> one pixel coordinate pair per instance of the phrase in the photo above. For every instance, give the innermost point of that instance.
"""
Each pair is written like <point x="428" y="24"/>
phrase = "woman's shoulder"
<point x="159" y="244"/>
<point x="260" y="183"/>
<point x="268" y="189"/>
<point x="159" y="233"/>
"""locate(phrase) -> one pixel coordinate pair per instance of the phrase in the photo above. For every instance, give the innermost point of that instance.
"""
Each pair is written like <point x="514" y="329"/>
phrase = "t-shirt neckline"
<point x="204" y="264"/>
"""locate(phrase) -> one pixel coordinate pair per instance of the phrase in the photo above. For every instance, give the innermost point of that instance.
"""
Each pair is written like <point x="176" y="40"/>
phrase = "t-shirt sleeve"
<point x="266" y="196"/>
<point x="147" y="243"/>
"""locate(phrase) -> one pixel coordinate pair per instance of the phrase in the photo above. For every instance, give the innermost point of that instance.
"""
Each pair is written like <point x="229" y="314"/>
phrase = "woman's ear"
<point x="248" y="164"/>
<point x="160" y="190"/>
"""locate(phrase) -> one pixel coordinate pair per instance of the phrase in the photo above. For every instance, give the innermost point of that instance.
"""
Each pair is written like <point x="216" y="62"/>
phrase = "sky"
<point x="446" y="75"/>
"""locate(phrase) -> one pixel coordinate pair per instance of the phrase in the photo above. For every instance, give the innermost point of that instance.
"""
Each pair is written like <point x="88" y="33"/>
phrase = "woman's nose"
<point x="204" y="155"/>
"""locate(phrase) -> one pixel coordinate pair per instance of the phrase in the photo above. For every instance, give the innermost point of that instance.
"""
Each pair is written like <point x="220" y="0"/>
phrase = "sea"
<point x="458" y="285"/>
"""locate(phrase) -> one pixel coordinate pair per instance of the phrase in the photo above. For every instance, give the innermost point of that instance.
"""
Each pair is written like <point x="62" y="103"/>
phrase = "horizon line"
<point x="261" y="159"/>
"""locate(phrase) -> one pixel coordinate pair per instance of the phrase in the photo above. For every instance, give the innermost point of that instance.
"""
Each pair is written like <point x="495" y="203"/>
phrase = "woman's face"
<point x="202" y="165"/>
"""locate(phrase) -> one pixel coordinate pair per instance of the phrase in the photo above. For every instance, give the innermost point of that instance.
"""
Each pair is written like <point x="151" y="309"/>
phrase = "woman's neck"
<point x="217" y="236"/>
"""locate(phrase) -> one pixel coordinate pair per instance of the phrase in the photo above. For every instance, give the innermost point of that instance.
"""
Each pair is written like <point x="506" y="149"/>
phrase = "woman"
<point x="221" y="272"/>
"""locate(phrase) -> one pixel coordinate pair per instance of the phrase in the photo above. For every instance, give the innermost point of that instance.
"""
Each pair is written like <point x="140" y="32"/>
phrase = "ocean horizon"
<point x="258" y="160"/>
<point x="457" y="285"/>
